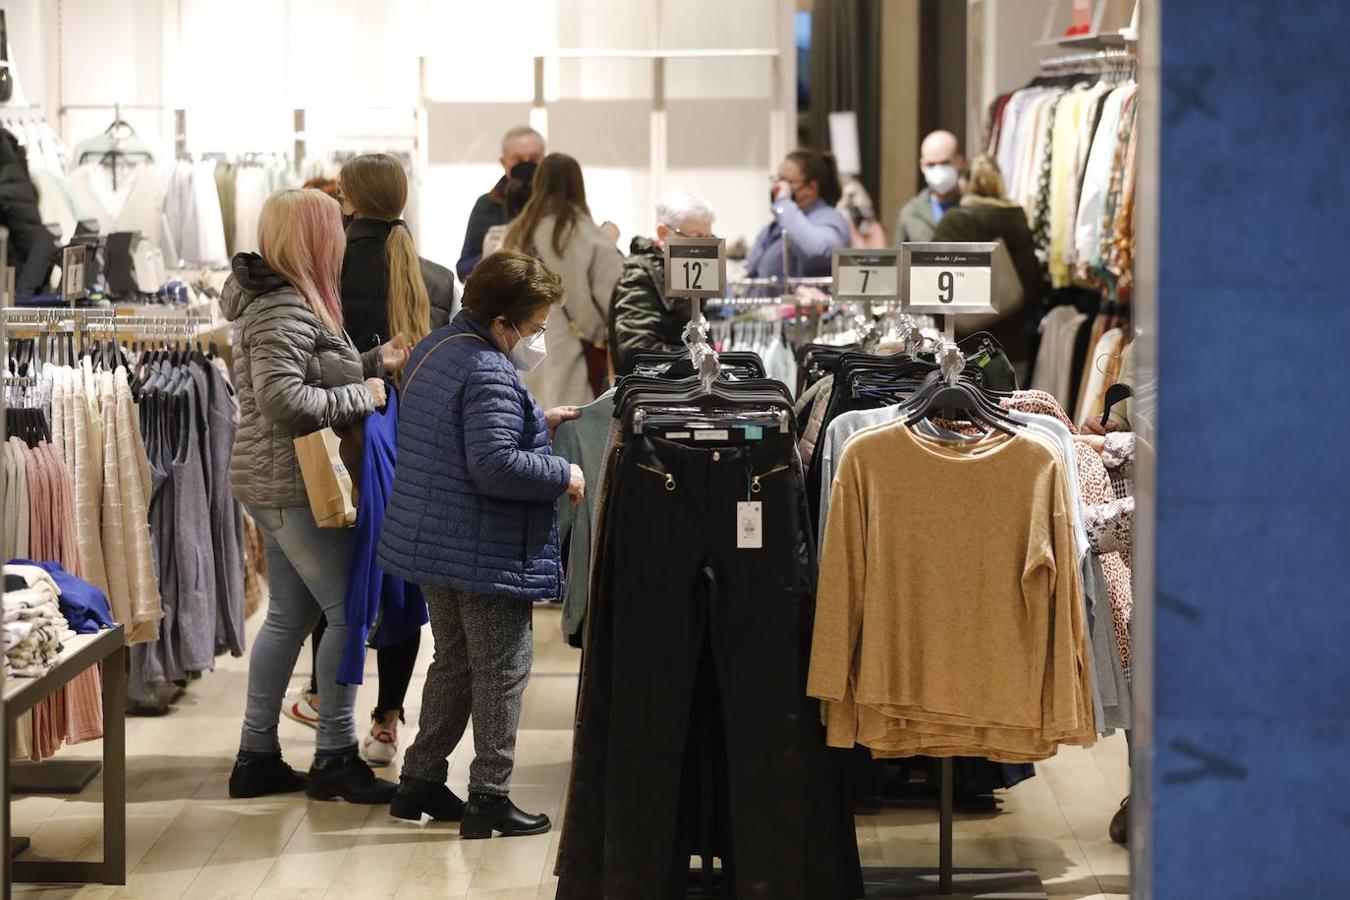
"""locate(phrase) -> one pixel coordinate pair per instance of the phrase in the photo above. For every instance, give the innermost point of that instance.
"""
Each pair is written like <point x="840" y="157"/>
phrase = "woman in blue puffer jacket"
<point x="472" y="520"/>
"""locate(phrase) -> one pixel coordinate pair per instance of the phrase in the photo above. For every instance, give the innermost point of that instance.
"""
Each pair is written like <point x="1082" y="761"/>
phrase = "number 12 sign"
<point x="696" y="267"/>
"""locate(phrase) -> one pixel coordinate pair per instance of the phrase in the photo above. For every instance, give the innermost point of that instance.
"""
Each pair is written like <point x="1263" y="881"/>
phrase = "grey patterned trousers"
<point x="484" y="650"/>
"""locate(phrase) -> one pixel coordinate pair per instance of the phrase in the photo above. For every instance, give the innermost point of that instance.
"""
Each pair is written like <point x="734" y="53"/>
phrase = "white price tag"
<point x="695" y="267"/>
<point x="72" y="274"/>
<point x="749" y="525"/>
<point x="950" y="282"/>
<point x="864" y="274"/>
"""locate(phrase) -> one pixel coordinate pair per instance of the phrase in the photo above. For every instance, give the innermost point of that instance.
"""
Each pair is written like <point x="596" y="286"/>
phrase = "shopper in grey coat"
<point x="296" y="372"/>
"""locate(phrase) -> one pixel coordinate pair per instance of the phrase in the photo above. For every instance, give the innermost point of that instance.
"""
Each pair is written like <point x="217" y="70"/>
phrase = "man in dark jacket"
<point x="19" y="213"/>
<point x="520" y="144"/>
<point x="641" y="317"/>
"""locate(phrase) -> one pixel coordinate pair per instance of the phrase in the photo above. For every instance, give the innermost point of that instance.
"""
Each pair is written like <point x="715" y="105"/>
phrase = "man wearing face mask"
<point x="520" y="144"/>
<point x="472" y="519"/>
<point x="941" y="162"/>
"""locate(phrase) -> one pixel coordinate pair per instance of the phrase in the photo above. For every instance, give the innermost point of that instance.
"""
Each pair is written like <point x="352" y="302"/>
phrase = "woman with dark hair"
<point x="804" y="193"/>
<point x="519" y="187"/>
<point x="556" y="228"/>
<point x="472" y="519"/>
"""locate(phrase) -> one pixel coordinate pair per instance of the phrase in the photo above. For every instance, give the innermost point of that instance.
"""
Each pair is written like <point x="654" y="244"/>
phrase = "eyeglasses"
<point x="538" y="328"/>
<point x="678" y="232"/>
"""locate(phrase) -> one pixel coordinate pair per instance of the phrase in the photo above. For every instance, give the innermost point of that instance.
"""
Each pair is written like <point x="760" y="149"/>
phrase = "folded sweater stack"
<point x="34" y="626"/>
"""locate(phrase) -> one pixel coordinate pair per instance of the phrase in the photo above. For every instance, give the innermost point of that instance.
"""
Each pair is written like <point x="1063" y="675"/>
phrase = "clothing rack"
<point x="1097" y="61"/>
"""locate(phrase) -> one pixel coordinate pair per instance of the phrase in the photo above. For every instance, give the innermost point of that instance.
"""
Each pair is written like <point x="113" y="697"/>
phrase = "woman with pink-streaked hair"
<point x="296" y="371"/>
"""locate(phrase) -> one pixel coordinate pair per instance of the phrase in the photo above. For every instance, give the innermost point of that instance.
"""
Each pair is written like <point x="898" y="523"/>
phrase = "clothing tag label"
<point x="749" y="525"/>
<point x="678" y="435"/>
<point x="712" y="434"/>
<point x="753" y="432"/>
<point x="985" y="359"/>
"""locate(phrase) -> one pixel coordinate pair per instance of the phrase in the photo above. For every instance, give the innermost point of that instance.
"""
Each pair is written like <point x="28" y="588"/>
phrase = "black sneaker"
<point x="416" y="796"/>
<point x="258" y="776"/>
<point x="348" y="777"/>
<point x="486" y="813"/>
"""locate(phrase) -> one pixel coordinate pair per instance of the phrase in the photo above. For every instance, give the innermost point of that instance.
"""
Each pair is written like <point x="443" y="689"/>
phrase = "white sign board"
<point x="866" y="274"/>
<point x="696" y="267"/>
<point x="949" y="279"/>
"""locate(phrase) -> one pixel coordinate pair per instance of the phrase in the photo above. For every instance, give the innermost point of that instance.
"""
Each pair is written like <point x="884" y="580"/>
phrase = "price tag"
<point x="696" y="267"/>
<point x="949" y="279"/>
<point x="750" y="525"/>
<point x="866" y="274"/>
<point x="72" y="274"/>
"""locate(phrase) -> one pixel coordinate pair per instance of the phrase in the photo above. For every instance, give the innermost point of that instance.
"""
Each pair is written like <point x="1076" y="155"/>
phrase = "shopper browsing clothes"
<point x="296" y="371"/>
<point x="520" y="144"/>
<point x="386" y="289"/>
<point x="556" y="228"/>
<point x="803" y="199"/>
<point x="641" y="316"/>
<point x="941" y="162"/>
<point x="472" y="520"/>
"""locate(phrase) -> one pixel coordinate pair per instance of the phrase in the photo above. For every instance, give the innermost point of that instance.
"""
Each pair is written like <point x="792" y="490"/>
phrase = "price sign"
<point x="866" y="274"/>
<point x="72" y="273"/>
<point x="949" y="279"/>
<point x="696" y="267"/>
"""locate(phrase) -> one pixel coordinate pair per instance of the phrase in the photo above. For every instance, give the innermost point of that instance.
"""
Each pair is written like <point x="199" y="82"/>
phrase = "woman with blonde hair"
<point x="556" y="228"/>
<point x="296" y="371"/>
<point x="986" y="215"/>
<point x="387" y="291"/>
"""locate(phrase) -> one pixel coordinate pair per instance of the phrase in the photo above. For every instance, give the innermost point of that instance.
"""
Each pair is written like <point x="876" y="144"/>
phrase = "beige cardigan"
<point x="590" y="266"/>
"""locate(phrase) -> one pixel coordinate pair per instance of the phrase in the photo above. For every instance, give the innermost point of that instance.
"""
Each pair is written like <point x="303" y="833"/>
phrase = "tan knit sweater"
<point x="949" y="614"/>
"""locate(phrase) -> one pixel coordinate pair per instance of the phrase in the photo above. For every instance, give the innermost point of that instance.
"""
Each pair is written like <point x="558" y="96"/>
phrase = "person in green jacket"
<point x="641" y="317"/>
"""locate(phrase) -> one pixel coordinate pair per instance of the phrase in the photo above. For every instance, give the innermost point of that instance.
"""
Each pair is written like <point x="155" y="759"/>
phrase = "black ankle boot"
<point x="417" y="796"/>
<point x="1120" y="824"/>
<point x="348" y="777"/>
<point x="486" y="813"/>
<point x="258" y="776"/>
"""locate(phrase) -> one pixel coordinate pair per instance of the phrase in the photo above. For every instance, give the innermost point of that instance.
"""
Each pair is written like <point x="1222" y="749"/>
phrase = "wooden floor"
<point x="187" y="839"/>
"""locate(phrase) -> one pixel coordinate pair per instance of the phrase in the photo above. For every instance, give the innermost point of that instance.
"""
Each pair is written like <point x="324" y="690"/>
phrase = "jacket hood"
<point x="997" y="202"/>
<point x="251" y="278"/>
<point x="645" y="253"/>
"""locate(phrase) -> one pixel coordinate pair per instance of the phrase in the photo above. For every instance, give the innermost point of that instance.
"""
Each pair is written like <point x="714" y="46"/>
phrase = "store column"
<point x="1244" y="689"/>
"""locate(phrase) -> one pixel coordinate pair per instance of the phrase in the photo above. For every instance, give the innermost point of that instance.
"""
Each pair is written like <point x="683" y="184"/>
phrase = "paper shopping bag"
<point x="327" y="481"/>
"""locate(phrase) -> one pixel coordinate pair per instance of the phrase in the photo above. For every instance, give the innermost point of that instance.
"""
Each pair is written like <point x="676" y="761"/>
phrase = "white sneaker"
<point x="379" y="748"/>
<point x="296" y="707"/>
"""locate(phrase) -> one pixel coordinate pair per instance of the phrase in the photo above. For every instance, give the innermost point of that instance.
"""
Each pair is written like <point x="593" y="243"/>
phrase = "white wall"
<point x="240" y="68"/>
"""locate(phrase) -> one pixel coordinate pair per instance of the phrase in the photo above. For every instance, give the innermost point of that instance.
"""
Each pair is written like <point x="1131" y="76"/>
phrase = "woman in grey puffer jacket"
<point x="296" y="371"/>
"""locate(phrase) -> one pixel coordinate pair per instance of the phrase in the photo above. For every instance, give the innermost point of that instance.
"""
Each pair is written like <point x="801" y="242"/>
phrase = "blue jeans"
<point x="306" y="575"/>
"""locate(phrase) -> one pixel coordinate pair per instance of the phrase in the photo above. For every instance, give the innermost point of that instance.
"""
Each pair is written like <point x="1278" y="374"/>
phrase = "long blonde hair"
<point x="377" y="188"/>
<point x="300" y="237"/>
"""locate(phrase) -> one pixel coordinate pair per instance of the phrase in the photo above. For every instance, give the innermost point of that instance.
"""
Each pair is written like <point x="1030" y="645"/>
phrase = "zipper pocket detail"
<point x="756" y="487"/>
<point x="670" y="479"/>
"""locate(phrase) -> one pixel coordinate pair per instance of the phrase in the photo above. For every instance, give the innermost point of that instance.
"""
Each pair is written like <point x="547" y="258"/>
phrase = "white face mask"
<point x="527" y="354"/>
<point x="941" y="178"/>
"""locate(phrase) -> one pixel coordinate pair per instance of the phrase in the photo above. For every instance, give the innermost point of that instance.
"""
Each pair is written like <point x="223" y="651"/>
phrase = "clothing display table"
<point x="20" y="696"/>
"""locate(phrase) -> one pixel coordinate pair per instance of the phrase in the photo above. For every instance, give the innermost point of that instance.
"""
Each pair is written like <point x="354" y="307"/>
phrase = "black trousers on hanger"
<point x="679" y="597"/>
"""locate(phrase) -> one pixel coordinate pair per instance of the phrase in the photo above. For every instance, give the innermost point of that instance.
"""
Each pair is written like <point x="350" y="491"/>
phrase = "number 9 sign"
<point x="949" y="279"/>
<point x="695" y="267"/>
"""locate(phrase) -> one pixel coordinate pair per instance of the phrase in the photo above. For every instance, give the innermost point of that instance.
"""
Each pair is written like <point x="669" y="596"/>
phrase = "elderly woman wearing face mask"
<point x="472" y="520"/>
